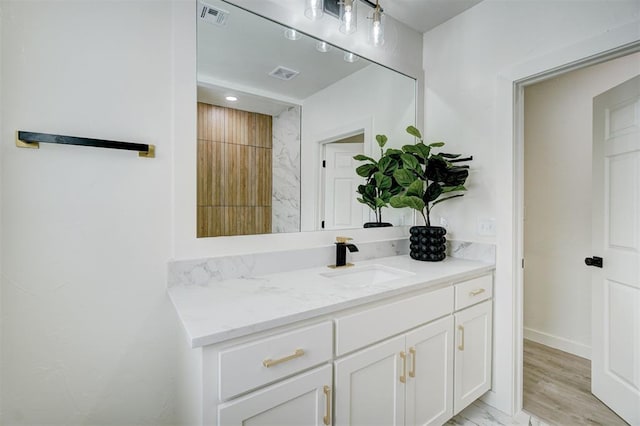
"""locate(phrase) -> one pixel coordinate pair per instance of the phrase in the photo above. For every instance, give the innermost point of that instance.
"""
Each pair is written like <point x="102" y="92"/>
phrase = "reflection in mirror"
<point x="280" y="117"/>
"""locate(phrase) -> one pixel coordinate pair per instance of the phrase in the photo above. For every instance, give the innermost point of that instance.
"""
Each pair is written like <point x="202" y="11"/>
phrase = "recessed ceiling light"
<point x="323" y="46"/>
<point x="231" y="98"/>
<point x="291" y="34"/>
<point x="350" y="57"/>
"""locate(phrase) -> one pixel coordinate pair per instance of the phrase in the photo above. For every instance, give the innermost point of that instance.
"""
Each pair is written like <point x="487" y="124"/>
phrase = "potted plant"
<point x="380" y="184"/>
<point x="428" y="179"/>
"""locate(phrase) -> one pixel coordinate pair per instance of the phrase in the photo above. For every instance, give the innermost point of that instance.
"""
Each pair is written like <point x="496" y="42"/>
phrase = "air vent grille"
<point x="284" y="73"/>
<point x="213" y="15"/>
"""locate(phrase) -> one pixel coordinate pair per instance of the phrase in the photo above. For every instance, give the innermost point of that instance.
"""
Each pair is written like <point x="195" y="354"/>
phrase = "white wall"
<point x="557" y="197"/>
<point x="89" y="335"/>
<point x="402" y="51"/>
<point x="471" y="63"/>
<point x="373" y="99"/>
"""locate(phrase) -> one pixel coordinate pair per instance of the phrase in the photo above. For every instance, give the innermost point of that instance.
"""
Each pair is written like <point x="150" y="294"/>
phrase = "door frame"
<point x="510" y="237"/>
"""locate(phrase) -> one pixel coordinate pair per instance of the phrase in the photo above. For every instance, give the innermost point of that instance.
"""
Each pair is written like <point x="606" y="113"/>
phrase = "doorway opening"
<point x="555" y="170"/>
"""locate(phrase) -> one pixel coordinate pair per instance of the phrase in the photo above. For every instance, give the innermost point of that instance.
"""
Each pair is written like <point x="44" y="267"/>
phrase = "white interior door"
<point x="615" y="364"/>
<point x="341" y="207"/>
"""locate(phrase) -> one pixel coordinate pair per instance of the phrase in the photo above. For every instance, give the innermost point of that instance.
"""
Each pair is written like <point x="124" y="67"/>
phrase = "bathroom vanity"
<point x="390" y="341"/>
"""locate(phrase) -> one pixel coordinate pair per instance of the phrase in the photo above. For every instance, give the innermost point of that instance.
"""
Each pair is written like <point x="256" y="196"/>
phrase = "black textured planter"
<point x="427" y="243"/>
<point x="377" y="224"/>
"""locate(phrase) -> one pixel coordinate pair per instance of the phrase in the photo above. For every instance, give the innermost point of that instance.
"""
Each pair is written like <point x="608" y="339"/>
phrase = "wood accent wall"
<point x="233" y="172"/>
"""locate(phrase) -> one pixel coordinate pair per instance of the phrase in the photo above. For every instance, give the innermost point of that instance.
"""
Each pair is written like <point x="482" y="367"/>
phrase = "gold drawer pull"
<point x="461" y="345"/>
<point x="403" y="377"/>
<point x="327" y="415"/>
<point x="412" y="372"/>
<point x="271" y="362"/>
<point x="476" y="292"/>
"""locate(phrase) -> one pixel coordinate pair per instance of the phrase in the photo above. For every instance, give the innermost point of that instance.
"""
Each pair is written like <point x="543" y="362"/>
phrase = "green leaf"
<point x="404" y="177"/>
<point x="448" y="198"/>
<point x="361" y="157"/>
<point x="392" y="152"/>
<point x="409" y="161"/>
<point x="416" y="189"/>
<point x="414" y="132"/>
<point x="400" y="201"/>
<point x="453" y="188"/>
<point x="387" y="165"/>
<point x="380" y="203"/>
<point x="381" y="139"/>
<point x="382" y="181"/>
<point x="432" y="193"/>
<point x="436" y="144"/>
<point x="366" y="170"/>
<point x="423" y="150"/>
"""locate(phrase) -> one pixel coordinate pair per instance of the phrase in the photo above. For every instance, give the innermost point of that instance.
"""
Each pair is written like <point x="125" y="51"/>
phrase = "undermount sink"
<point x="368" y="274"/>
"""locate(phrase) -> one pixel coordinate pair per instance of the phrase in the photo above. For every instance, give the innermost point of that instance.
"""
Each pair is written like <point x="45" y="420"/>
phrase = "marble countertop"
<point x="223" y="310"/>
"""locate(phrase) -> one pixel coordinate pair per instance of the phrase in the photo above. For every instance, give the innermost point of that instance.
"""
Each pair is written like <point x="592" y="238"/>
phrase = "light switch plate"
<point x="486" y="227"/>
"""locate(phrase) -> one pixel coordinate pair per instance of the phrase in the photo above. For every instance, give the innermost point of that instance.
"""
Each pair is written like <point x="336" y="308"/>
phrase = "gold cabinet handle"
<point x="327" y="415"/>
<point x="461" y="345"/>
<point x="271" y="362"/>
<point x="476" y="292"/>
<point x="412" y="372"/>
<point x="403" y="377"/>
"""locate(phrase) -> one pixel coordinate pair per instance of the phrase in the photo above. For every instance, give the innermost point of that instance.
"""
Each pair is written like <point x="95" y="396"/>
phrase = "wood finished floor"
<point x="557" y="389"/>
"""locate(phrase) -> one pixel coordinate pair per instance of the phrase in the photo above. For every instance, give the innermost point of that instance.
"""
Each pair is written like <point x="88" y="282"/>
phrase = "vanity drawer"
<point x="372" y="325"/>
<point x="251" y="365"/>
<point x="473" y="291"/>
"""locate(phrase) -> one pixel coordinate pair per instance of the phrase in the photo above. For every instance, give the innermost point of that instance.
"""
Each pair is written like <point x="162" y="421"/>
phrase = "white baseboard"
<point x="560" y="343"/>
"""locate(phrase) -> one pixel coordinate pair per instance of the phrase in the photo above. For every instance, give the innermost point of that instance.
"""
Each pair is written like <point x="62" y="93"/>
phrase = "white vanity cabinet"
<point x="473" y="348"/>
<point x="413" y="359"/>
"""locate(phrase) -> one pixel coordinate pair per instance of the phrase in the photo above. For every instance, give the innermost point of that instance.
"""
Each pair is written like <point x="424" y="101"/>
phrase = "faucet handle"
<point x="343" y="239"/>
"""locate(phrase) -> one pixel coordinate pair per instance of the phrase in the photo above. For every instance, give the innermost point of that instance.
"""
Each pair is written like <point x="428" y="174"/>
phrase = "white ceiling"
<point x="424" y="15"/>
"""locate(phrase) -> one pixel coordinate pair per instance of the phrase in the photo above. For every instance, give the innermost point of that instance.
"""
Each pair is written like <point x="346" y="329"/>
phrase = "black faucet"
<point x="341" y="250"/>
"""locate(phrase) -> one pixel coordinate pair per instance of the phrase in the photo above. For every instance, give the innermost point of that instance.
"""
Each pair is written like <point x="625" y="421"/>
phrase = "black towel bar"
<point x="32" y="140"/>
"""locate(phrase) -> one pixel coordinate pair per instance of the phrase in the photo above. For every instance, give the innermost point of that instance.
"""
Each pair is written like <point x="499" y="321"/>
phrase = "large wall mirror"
<point x="280" y="117"/>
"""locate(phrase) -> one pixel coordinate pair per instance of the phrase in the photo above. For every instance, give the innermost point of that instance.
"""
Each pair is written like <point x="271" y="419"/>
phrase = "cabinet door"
<point x="369" y="390"/>
<point x="429" y="396"/>
<point x="302" y="400"/>
<point x="472" y="355"/>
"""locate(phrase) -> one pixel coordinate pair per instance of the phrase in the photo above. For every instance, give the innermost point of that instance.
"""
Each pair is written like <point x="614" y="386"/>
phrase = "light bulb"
<point x="291" y="34"/>
<point x="323" y="46"/>
<point x="314" y="9"/>
<point x="348" y="16"/>
<point x="376" y="30"/>
<point x="350" y="57"/>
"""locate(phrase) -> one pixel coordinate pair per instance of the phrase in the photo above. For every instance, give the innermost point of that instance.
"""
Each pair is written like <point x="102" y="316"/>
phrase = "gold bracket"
<point x="343" y="239"/>
<point x="23" y="144"/>
<point x="151" y="153"/>
<point x="271" y="362"/>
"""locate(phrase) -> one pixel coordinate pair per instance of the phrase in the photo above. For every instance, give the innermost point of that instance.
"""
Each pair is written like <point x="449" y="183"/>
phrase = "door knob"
<point x="594" y="261"/>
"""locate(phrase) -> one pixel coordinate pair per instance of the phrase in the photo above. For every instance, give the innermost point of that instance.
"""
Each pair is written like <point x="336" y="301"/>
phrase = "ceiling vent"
<point x="213" y="15"/>
<point x="283" y="73"/>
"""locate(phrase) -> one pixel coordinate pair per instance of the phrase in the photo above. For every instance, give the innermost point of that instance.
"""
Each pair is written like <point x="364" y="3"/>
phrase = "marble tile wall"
<point x="201" y="271"/>
<point x="285" y="203"/>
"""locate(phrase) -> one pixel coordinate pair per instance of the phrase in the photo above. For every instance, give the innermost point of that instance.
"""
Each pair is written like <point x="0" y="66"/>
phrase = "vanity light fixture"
<point x="350" y="57"/>
<point x="231" y="98"/>
<point x="376" y="27"/>
<point x="291" y="34"/>
<point x="314" y="9"/>
<point x="323" y="46"/>
<point x="348" y="16"/>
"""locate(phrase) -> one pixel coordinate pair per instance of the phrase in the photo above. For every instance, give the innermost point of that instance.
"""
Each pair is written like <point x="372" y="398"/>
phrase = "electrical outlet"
<point x="487" y="227"/>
